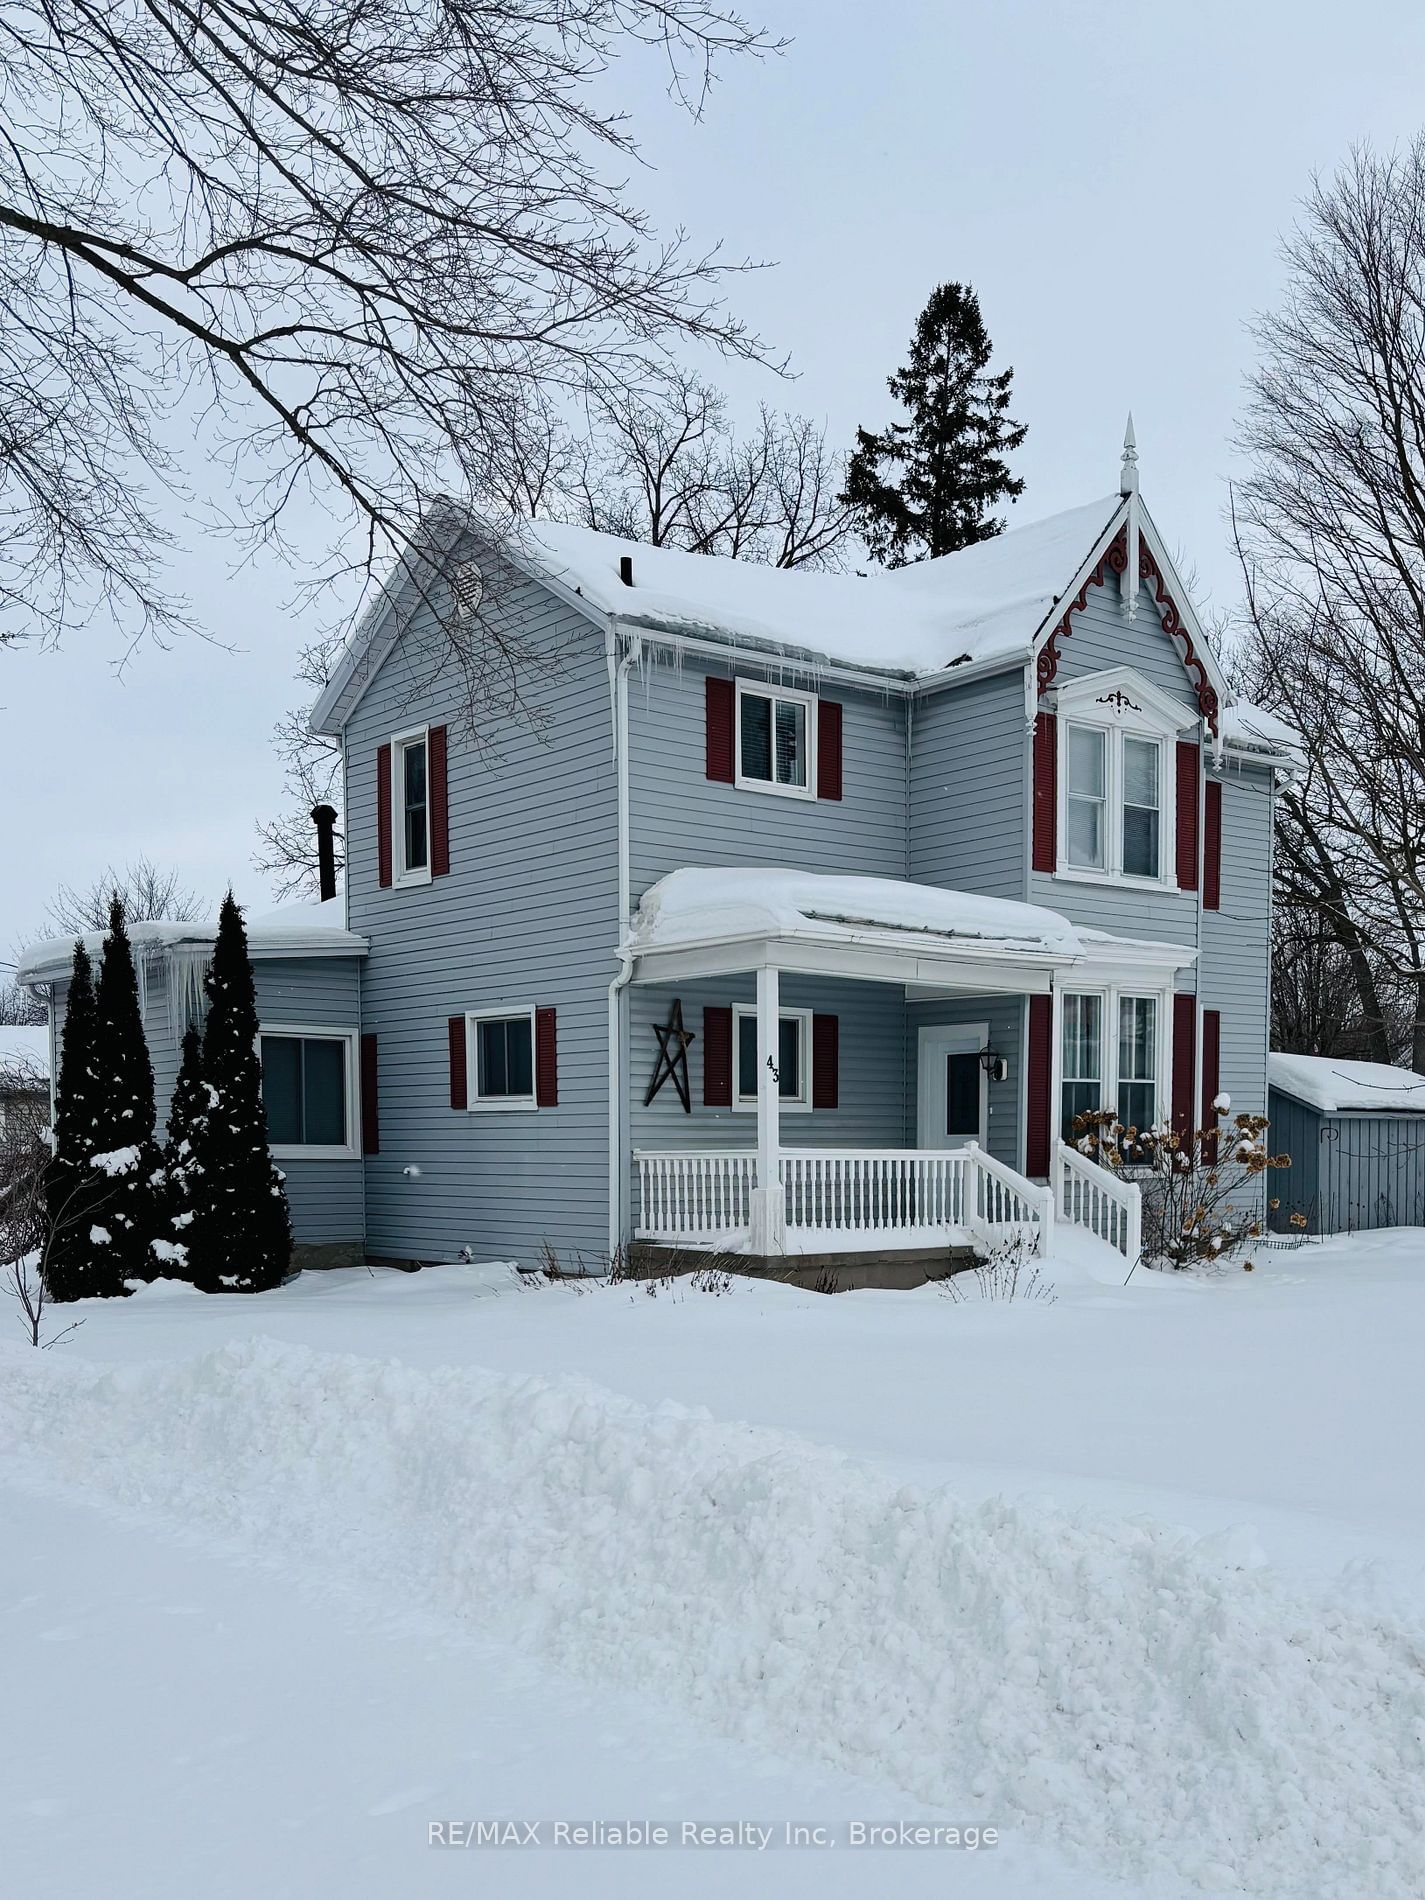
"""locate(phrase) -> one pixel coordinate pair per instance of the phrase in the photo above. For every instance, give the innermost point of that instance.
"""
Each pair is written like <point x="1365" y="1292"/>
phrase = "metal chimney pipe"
<point x="324" y="818"/>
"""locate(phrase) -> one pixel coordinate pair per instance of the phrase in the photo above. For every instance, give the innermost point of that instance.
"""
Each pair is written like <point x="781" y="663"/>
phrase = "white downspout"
<point x="618" y="669"/>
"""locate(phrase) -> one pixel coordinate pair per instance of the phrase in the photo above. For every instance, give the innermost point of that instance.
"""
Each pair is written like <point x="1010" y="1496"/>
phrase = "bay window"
<point x="1111" y="1053"/>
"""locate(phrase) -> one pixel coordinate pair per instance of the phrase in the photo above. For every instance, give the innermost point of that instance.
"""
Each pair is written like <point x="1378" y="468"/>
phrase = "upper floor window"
<point x="775" y="736"/>
<point x="410" y="769"/>
<point x="308" y="1092"/>
<point x="1113" y="802"/>
<point x="793" y="1057"/>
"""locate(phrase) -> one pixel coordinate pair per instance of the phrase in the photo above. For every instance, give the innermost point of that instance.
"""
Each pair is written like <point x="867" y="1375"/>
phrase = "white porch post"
<point x="769" y="1221"/>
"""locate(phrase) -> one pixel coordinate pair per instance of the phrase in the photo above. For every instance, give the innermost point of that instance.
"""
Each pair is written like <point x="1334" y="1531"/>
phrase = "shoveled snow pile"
<point x="1142" y="1696"/>
<point x="700" y="906"/>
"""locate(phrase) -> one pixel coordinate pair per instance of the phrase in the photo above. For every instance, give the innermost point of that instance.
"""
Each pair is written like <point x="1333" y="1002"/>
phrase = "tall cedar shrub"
<point x="124" y="1108"/>
<point x="187" y="1119"/>
<point x="929" y="485"/>
<point x="75" y="1268"/>
<point x="241" y="1234"/>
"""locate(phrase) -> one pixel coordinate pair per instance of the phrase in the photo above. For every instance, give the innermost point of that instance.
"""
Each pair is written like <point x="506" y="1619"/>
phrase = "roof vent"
<point x="467" y="589"/>
<point x="625" y="569"/>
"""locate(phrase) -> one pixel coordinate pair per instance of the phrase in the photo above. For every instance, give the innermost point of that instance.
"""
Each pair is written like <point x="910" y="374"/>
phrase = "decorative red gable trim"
<point x="370" y="1117"/>
<point x="717" y="1056"/>
<point x="828" y="748"/>
<point x="1212" y="845"/>
<point x="1211" y="1078"/>
<point x="826" y="1061"/>
<point x="1184" y="1062"/>
<point x="1046" y="792"/>
<point x="546" y="1059"/>
<point x="1188" y="764"/>
<point x="383" y="816"/>
<point x="439" y="802"/>
<point x="459" y="1089"/>
<point x="721" y="723"/>
<point x="1039" y="1072"/>
<point x="1115" y="560"/>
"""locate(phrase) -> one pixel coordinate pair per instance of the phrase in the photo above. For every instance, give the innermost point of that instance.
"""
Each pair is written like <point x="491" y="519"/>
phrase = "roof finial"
<point x="1128" y="478"/>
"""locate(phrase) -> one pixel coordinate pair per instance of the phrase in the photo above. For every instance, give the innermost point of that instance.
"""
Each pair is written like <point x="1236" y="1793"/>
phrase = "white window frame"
<point x="475" y="1103"/>
<point x="1110" y="995"/>
<point x="800" y="1104"/>
<point x="1121" y="704"/>
<point x="401" y="743"/>
<point x="760" y="689"/>
<point x="350" y="1149"/>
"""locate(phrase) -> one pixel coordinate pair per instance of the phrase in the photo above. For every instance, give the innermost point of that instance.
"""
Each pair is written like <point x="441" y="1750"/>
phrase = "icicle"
<point x="187" y="1002"/>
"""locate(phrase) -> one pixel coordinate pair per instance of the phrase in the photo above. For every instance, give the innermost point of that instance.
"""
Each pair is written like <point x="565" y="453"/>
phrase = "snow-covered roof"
<point x="1249" y="728"/>
<point x="313" y="930"/>
<point x="695" y="906"/>
<point x="1327" y="1084"/>
<point x="985" y="602"/>
<point x="24" y="1051"/>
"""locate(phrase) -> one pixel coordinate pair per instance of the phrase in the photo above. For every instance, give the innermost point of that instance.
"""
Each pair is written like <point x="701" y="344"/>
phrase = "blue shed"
<point x="1355" y="1132"/>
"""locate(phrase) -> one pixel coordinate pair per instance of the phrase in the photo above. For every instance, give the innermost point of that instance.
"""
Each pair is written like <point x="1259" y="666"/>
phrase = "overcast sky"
<point x="1112" y="179"/>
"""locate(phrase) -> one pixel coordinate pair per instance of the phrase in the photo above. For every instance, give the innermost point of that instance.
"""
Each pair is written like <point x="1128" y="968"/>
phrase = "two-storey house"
<point x="803" y="915"/>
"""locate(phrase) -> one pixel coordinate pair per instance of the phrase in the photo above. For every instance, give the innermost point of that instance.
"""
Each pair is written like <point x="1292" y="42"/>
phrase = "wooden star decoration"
<point x="672" y="1063"/>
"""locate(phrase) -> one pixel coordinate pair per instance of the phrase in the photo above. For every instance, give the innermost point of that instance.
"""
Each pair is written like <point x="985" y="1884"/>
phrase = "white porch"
<point x="783" y="1198"/>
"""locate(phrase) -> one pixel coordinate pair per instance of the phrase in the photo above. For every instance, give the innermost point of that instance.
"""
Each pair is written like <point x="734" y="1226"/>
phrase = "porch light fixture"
<point x="994" y="1064"/>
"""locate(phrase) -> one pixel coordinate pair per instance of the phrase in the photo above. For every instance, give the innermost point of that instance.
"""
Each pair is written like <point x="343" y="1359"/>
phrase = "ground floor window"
<point x="1138" y="1061"/>
<point x="1081" y="1063"/>
<point x="1110" y="1057"/>
<point x="504" y="1059"/>
<point x="307" y="1091"/>
<point x="793" y="1057"/>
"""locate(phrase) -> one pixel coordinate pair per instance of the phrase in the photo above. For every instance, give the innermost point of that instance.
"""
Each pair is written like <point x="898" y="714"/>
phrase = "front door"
<point x="953" y="1088"/>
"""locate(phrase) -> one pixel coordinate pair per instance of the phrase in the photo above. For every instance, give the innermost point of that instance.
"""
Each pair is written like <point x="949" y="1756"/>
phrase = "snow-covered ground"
<point x="1136" y="1579"/>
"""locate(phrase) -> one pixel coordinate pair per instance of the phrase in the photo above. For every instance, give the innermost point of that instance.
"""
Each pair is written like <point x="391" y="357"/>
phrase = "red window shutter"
<point x="370" y="1118"/>
<point x="546" y="1059"/>
<point x="1184" y="1062"/>
<point x="721" y="720"/>
<point x="459" y="1092"/>
<point x="1039" y="1075"/>
<point x="1212" y="846"/>
<point x="1211" y="1076"/>
<point x="717" y="1057"/>
<point x="383" y="815"/>
<point x="828" y="750"/>
<point x="1046" y="796"/>
<point x="826" y="1061"/>
<point x="439" y="802"/>
<point x="1188" y="759"/>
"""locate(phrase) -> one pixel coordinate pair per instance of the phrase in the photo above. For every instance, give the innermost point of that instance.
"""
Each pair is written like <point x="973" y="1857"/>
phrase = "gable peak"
<point x="1128" y="470"/>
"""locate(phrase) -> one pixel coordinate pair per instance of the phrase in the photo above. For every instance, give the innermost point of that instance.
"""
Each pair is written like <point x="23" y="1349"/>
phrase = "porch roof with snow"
<point x="697" y="922"/>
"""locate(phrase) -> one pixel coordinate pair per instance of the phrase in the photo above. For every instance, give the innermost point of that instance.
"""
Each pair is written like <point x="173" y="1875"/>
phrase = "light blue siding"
<point x="1349" y="1171"/>
<point x="680" y="817"/>
<point x="527" y="916"/>
<point x="1234" y="965"/>
<point x="969" y="785"/>
<point x="1101" y="637"/>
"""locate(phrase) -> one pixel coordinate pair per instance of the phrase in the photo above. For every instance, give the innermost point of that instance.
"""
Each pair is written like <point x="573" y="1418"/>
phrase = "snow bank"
<point x="698" y="906"/>
<point x="1323" y="1082"/>
<point x="1121" y="1686"/>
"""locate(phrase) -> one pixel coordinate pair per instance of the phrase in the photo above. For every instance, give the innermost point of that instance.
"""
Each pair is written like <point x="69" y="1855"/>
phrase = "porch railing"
<point x="1104" y="1203"/>
<point x="859" y="1191"/>
<point x="697" y="1196"/>
<point x="852" y="1198"/>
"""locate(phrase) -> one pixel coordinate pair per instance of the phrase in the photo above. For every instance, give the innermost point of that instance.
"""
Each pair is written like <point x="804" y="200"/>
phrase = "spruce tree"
<point x="241" y="1234"/>
<point x="929" y="485"/>
<point x="187" y="1116"/>
<point x="124" y="1109"/>
<point x="74" y="1194"/>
